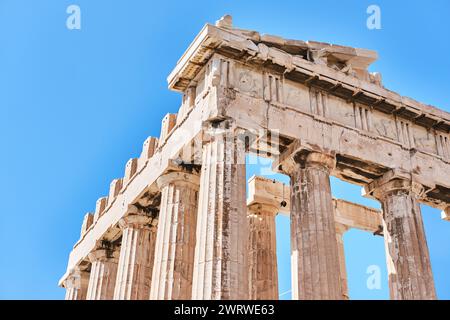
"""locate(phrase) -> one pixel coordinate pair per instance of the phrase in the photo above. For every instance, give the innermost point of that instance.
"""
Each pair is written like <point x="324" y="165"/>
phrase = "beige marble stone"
<point x="167" y="124"/>
<point x="220" y="263"/>
<point x="87" y="223"/>
<point x="136" y="257"/>
<point x="175" y="240"/>
<point x="148" y="150"/>
<point x="356" y="216"/>
<point x="103" y="274"/>
<point x="408" y="259"/>
<point x="340" y="230"/>
<point x="130" y="170"/>
<point x="288" y="96"/>
<point x="327" y="88"/>
<point x="263" y="270"/>
<point x="347" y="215"/>
<point x="76" y="284"/>
<point x="188" y="103"/>
<point x="100" y="207"/>
<point x="314" y="252"/>
<point x="114" y="189"/>
<point x="139" y="188"/>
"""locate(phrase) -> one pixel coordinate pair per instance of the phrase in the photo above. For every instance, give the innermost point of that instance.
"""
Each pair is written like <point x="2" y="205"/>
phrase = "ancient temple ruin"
<point x="183" y="222"/>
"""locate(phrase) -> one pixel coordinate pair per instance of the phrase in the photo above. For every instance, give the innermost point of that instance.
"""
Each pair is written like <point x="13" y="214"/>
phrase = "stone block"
<point x="130" y="170"/>
<point x="148" y="149"/>
<point x="167" y="124"/>
<point x="114" y="189"/>
<point x="100" y="207"/>
<point x="87" y="222"/>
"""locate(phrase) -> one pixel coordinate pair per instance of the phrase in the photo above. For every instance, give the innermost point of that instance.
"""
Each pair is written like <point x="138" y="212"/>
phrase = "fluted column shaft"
<point x="136" y="258"/>
<point x="76" y="285"/>
<point x="103" y="274"/>
<point x="315" y="255"/>
<point x="220" y="263"/>
<point x="340" y="230"/>
<point x="263" y="275"/>
<point x="175" y="240"/>
<point x="408" y="259"/>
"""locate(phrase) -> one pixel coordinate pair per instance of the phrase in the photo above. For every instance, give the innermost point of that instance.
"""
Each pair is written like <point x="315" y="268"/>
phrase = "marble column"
<point x="340" y="230"/>
<point x="408" y="259"/>
<point x="263" y="273"/>
<point x="175" y="240"/>
<point x="221" y="262"/>
<point x="102" y="280"/>
<point x="136" y="257"/>
<point x="76" y="285"/>
<point x="314" y="251"/>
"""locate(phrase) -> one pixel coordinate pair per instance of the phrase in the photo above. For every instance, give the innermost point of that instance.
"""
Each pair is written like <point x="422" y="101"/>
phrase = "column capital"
<point x="268" y="209"/>
<point x="298" y="156"/>
<point x="137" y="218"/>
<point x="317" y="159"/>
<point x="77" y="276"/>
<point x="226" y="130"/>
<point x="103" y="255"/>
<point x="179" y="177"/>
<point x="218" y="126"/>
<point x="393" y="182"/>
<point x="104" y="250"/>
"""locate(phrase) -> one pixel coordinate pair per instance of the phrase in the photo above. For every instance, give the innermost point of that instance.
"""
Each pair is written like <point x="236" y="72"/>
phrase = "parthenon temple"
<point x="184" y="222"/>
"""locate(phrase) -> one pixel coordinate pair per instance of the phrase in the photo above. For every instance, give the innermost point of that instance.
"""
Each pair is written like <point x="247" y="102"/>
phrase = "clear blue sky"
<point x="76" y="105"/>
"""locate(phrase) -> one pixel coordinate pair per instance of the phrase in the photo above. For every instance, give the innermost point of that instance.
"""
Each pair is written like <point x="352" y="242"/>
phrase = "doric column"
<point x="136" y="256"/>
<point x="408" y="259"/>
<point x="76" y="284"/>
<point x="340" y="230"/>
<point x="263" y="274"/>
<point x="315" y="256"/>
<point x="220" y="263"/>
<point x="103" y="275"/>
<point x="175" y="240"/>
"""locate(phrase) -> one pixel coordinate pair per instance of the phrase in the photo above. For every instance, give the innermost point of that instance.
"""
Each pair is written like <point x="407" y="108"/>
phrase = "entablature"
<point x="290" y="59"/>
